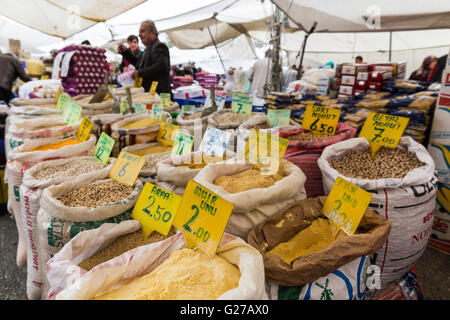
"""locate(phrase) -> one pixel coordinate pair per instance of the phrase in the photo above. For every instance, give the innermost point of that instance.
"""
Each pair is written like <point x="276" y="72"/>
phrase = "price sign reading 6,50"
<point x="321" y="120"/>
<point x="202" y="217"/>
<point x="383" y="130"/>
<point x="126" y="168"/>
<point x="345" y="205"/>
<point x="103" y="149"/>
<point x="155" y="209"/>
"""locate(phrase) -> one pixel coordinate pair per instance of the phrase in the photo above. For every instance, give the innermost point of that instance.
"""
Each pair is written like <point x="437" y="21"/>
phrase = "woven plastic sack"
<point x="58" y="224"/>
<point x="305" y="154"/>
<point x="193" y="125"/>
<point x="409" y="203"/>
<point x="148" y="171"/>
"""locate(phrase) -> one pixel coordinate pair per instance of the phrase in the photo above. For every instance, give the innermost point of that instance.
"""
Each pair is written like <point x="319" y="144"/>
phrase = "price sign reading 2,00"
<point x="200" y="233"/>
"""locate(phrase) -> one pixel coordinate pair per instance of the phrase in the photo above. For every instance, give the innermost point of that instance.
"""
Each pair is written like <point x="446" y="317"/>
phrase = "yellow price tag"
<point x="85" y="129"/>
<point x="202" y="217"/>
<point x="138" y="82"/>
<point x="58" y="93"/>
<point x="167" y="133"/>
<point x="383" y="130"/>
<point x="155" y="209"/>
<point x="126" y="168"/>
<point x="345" y="205"/>
<point x="321" y="120"/>
<point x="265" y="151"/>
<point x="153" y="88"/>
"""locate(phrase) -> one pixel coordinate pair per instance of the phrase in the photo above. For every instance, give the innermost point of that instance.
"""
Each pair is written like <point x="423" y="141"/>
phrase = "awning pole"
<point x="299" y="73"/>
<point x="218" y="53"/>
<point x="390" y="46"/>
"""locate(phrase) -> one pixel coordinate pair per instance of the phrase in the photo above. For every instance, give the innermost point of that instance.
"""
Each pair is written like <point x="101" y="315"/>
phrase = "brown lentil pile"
<point x="96" y="193"/>
<point x="261" y="126"/>
<point x="121" y="245"/>
<point x="195" y="115"/>
<point x="388" y="163"/>
<point x="150" y="163"/>
<point x="230" y="117"/>
<point x="69" y="169"/>
<point x="307" y="136"/>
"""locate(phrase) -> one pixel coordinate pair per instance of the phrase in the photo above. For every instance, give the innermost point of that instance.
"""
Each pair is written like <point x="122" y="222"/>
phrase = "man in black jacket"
<point x="11" y="68"/>
<point x="154" y="63"/>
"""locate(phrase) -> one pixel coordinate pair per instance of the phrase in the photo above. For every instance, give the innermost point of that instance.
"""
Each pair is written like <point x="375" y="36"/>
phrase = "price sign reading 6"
<point x="126" y="168"/>
<point x="156" y="209"/>
<point x="202" y="217"/>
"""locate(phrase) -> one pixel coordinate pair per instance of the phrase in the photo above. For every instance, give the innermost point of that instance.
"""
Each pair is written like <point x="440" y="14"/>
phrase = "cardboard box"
<point x="353" y="69"/>
<point x="363" y="76"/>
<point x="189" y="94"/>
<point x="361" y="85"/>
<point x="348" y="90"/>
<point x="348" y="80"/>
<point x="377" y="76"/>
<point x="376" y="86"/>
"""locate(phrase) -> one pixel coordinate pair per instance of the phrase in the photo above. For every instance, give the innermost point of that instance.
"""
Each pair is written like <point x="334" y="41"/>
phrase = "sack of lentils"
<point x="303" y="253"/>
<point x="402" y="182"/>
<point x="89" y="109"/>
<point x="26" y="156"/>
<point x="35" y="180"/>
<point x="91" y="248"/>
<point x="305" y="148"/>
<point x="20" y="132"/>
<point x="174" y="173"/>
<point x="194" y="121"/>
<point x="153" y="153"/>
<point x="141" y="128"/>
<point x="72" y="207"/>
<point x="255" y="196"/>
<point x="167" y="270"/>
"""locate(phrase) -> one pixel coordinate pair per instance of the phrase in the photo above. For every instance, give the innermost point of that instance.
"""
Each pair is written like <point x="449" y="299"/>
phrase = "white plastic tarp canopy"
<point x="63" y="18"/>
<point x="367" y="15"/>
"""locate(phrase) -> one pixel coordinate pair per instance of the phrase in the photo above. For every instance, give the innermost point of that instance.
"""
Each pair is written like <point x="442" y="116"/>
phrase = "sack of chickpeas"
<point x="174" y="173"/>
<point x="74" y="206"/>
<point x="402" y="182"/>
<point x="255" y="196"/>
<point x="26" y="156"/>
<point x="35" y="180"/>
<point x="163" y="270"/>
<point x="305" y="148"/>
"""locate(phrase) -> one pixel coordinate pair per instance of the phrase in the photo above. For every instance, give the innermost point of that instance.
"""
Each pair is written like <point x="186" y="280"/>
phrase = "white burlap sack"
<point x="30" y="196"/>
<point x="175" y="179"/>
<point x="95" y="108"/>
<point x="58" y="224"/>
<point x="253" y="206"/>
<point x="32" y="102"/>
<point x="148" y="171"/>
<point x="246" y="127"/>
<point x="20" y="161"/>
<point x="193" y="125"/>
<point x="76" y="284"/>
<point x="103" y="122"/>
<point x="145" y="98"/>
<point x="134" y="91"/>
<point x="409" y="204"/>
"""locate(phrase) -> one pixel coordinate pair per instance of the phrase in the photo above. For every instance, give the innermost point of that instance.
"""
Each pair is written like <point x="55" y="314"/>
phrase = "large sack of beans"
<point x="153" y="153"/>
<point x="88" y="109"/>
<point x="174" y="173"/>
<point x="164" y="270"/>
<point x="141" y="128"/>
<point x="305" y="259"/>
<point x="26" y="156"/>
<point x="134" y="91"/>
<point x="255" y="196"/>
<point x="35" y="180"/>
<point x="196" y="121"/>
<point x="20" y="132"/>
<point x="402" y="182"/>
<point x="33" y="102"/>
<point x="91" y="248"/>
<point x="72" y="207"/>
<point x="305" y="148"/>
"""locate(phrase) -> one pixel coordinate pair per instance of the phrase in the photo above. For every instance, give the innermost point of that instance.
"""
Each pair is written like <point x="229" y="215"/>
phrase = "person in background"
<point x="329" y="64"/>
<point x="288" y="76"/>
<point x="86" y="42"/>
<point x="260" y="75"/>
<point x="425" y="69"/>
<point x="188" y="71"/>
<point x="194" y="70"/>
<point x="440" y="66"/>
<point x="133" y="45"/>
<point x="358" y="60"/>
<point x="11" y="68"/>
<point x="154" y="63"/>
<point x="228" y="87"/>
<point x="238" y="81"/>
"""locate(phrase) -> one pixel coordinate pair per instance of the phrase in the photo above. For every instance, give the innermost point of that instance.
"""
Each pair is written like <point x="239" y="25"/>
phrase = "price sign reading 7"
<point x="321" y="120"/>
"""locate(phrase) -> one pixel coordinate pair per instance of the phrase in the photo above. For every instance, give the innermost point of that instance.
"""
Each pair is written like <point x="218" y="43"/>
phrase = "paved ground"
<point x="433" y="268"/>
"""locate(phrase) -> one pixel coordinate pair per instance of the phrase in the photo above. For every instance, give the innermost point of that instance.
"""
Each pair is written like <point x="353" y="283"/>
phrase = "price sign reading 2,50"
<point x="200" y="233"/>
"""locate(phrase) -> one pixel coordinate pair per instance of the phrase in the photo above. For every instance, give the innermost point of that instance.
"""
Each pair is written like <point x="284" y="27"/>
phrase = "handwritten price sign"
<point x="242" y="103"/>
<point x="126" y="168"/>
<point x="103" y="148"/>
<point x="321" y="120"/>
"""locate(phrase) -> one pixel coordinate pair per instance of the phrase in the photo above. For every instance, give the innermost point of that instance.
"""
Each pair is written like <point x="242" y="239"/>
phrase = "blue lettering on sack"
<point x="358" y="277"/>
<point x="340" y="275"/>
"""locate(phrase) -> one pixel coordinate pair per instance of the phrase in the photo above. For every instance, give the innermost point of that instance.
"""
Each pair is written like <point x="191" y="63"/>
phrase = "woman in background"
<point x="423" y="73"/>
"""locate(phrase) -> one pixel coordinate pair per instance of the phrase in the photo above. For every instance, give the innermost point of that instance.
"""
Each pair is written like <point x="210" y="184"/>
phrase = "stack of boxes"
<point x="439" y="149"/>
<point x="181" y="81"/>
<point x="352" y="79"/>
<point x="206" y="80"/>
